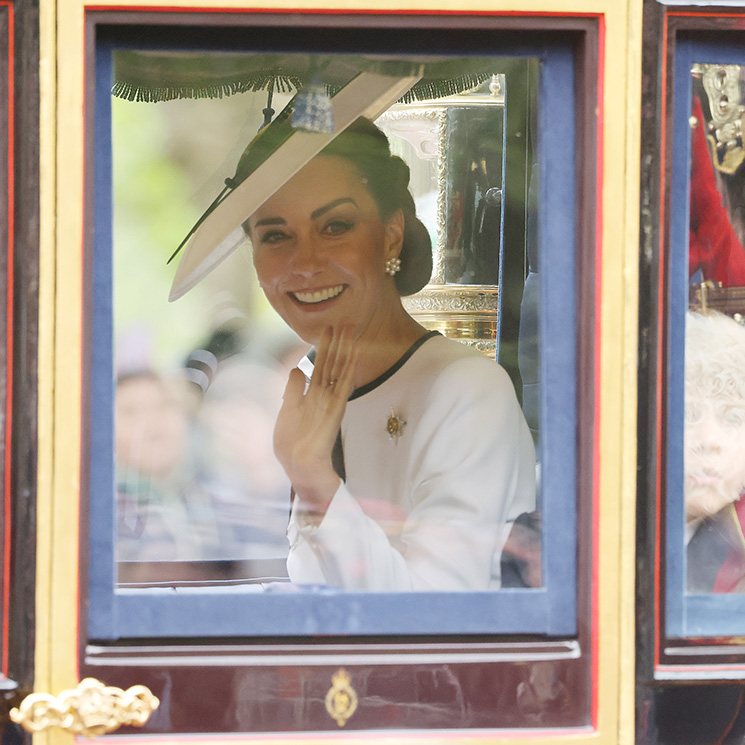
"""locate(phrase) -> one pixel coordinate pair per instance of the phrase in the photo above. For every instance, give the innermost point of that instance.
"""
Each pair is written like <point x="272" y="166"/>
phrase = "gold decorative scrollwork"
<point x="341" y="699"/>
<point x="91" y="709"/>
<point x="724" y="131"/>
<point x="468" y="313"/>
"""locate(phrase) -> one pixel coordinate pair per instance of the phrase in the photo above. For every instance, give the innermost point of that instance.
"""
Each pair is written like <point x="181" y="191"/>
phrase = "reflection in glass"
<point x="200" y="494"/>
<point x="455" y="148"/>
<point x="715" y="452"/>
<point x="714" y="457"/>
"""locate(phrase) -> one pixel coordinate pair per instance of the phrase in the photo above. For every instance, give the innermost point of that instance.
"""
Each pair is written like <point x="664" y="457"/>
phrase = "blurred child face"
<point x="714" y="454"/>
<point x="151" y="427"/>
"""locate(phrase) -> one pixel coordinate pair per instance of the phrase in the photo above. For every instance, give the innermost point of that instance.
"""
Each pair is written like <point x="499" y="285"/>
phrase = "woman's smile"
<point x="316" y="297"/>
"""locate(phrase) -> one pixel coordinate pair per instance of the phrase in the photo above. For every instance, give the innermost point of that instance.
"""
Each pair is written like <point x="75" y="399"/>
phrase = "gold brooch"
<point x="394" y="426"/>
<point x="341" y="700"/>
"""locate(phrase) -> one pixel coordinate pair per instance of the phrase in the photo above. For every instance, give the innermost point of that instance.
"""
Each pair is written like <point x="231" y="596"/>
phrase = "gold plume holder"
<point x="91" y="709"/>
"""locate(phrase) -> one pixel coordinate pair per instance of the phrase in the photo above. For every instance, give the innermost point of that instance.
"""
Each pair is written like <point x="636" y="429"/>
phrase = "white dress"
<point x="428" y="510"/>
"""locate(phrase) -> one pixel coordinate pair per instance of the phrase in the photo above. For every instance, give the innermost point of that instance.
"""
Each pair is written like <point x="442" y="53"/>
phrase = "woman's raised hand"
<point x="309" y="421"/>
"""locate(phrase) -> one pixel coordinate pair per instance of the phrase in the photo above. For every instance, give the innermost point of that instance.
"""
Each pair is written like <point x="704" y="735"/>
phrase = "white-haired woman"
<point x="715" y="452"/>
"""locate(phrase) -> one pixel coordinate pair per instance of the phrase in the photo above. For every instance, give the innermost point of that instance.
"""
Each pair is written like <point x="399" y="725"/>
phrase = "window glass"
<point x="706" y="513"/>
<point x="438" y="451"/>
<point x="715" y="340"/>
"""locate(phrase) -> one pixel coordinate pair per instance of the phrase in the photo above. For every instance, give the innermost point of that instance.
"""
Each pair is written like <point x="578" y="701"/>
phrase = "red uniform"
<point x="714" y="246"/>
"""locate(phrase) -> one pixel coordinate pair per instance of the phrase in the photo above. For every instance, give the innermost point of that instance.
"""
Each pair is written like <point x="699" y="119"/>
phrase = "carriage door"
<point x="169" y="606"/>
<point x="690" y="653"/>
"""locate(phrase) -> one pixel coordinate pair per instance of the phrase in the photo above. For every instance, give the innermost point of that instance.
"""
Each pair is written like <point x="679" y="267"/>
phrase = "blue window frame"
<point x="687" y="614"/>
<point x="247" y="611"/>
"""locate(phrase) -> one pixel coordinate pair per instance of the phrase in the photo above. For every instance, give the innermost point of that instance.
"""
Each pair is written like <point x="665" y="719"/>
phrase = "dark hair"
<point x="387" y="178"/>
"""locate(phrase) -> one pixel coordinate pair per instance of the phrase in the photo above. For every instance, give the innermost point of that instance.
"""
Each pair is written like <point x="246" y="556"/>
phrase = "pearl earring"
<point x="392" y="265"/>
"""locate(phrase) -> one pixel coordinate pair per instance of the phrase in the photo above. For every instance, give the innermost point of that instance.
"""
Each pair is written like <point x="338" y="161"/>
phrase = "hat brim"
<point x="221" y="233"/>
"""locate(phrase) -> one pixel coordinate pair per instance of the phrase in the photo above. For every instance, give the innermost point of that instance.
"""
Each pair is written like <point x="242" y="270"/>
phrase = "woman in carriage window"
<point x="408" y="453"/>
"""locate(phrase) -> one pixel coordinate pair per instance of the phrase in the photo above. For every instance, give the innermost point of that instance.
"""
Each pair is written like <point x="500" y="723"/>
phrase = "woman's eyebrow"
<point x="326" y="207"/>
<point x="269" y="221"/>
<point x="313" y="215"/>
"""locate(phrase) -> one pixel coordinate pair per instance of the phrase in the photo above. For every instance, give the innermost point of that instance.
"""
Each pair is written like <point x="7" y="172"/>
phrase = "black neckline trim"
<point x="395" y="367"/>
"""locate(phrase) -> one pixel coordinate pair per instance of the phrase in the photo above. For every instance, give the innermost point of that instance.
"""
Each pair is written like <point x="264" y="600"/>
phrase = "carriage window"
<point x="706" y="478"/>
<point x="423" y="486"/>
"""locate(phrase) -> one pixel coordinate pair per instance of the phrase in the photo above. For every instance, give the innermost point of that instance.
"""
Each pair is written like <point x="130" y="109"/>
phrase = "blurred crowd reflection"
<point x="200" y="495"/>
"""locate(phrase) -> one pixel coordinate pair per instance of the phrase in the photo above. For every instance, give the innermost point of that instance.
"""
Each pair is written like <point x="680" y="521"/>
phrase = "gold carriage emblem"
<point x="341" y="700"/>
<point x="91" y="709"/>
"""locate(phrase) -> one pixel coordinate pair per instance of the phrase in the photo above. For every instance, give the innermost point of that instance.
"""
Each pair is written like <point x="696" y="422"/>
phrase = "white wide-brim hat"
<point x="274" y="156"/>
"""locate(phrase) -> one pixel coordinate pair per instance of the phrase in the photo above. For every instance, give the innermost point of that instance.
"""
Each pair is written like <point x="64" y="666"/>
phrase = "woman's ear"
<point x="394" y="234"/>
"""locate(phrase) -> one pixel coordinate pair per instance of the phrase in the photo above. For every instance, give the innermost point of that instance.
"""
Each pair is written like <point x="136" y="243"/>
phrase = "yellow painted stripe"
<point x="59" y="358"/>
<point x="523" y="6"/>
<point x="479" y="737"/>
<point x="68" y="314"/>
<point x="626" y="570"/>
<point x="617" y="395"/>
<point x="45" y="608"/>
<point x="47" y="248"/>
